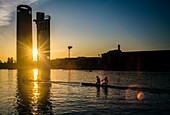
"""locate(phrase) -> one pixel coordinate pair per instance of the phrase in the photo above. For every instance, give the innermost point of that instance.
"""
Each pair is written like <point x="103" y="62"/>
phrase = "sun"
<point x="35" y="52"/>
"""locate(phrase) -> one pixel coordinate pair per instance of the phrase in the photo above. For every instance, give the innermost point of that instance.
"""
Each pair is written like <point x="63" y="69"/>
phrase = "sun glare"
<point x="35" y="52"/>
<point x="140" y="96"/>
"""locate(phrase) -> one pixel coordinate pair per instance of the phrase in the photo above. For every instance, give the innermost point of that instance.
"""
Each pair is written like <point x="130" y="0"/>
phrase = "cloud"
<point x="7" y="7"/>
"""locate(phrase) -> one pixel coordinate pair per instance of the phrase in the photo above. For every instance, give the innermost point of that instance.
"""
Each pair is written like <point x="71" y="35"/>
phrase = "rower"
<point x="105" y="81"/>
<point x="98" y="80"/>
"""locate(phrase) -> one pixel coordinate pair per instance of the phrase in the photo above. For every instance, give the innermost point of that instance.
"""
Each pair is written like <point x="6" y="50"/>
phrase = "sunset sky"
<point x="92" y="27"/>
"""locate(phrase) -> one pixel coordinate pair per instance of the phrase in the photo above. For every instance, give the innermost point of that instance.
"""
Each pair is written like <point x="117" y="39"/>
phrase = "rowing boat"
<point x="97" y="85"/>
<point x="152" y="90"/>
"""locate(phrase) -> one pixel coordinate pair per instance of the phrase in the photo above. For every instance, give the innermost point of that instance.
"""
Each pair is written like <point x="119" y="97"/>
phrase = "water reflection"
<point x="10" y="74"/>
<point x="34" y="96"/>
<point x="69" y="75"/>
<point x="35" y="74"/>
<point x="105" y="90"/>
<point x="98" y="91"/>
<point x="33" y="91"/>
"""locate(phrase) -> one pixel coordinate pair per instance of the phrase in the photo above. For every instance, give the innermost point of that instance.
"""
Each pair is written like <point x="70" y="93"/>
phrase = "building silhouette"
<point x="136" y="60"/>
<point x="43" y="40"/>
<point x="24" y="36"/>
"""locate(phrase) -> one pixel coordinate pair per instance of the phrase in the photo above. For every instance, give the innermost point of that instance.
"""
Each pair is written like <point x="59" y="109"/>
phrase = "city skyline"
<point x="93" y="27"/>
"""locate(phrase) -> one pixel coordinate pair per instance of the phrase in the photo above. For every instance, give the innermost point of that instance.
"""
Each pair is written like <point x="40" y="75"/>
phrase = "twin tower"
<point x="24" y="38"/>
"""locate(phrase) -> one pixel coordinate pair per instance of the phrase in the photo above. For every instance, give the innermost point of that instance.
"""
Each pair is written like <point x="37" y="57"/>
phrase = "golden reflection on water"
<point x="33" y="95"/>
<point x="35" y="92"/>
<point x="35" y="74"/>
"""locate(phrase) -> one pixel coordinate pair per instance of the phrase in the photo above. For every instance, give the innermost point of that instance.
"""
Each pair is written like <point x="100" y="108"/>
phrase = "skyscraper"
<point x="24" y="36"/>
<point x="43" y="40"/>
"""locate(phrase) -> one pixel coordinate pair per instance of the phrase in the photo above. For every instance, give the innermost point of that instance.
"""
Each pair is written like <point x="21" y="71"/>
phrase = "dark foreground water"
<point x="21" y="93"/>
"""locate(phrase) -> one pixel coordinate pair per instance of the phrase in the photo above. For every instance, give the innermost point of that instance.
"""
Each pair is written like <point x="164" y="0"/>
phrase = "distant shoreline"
<point x="90" y="70"/>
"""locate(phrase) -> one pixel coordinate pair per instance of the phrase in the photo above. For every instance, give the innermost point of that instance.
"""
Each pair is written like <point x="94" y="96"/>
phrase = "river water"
<point x="56" y="91"/>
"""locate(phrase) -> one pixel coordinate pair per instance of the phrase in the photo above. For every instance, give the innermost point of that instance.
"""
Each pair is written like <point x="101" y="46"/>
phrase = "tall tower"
<point x="24" y="36"/>
<point x="43" y="40"/>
